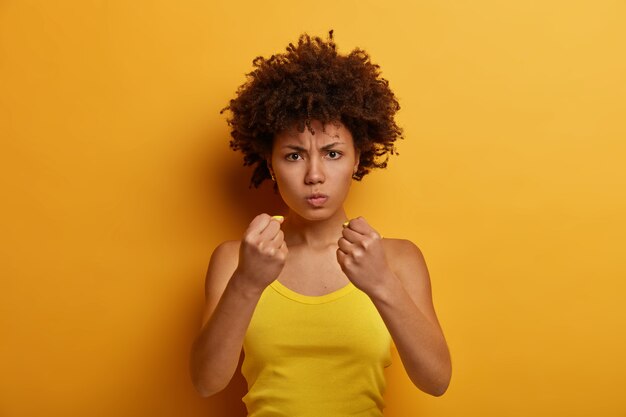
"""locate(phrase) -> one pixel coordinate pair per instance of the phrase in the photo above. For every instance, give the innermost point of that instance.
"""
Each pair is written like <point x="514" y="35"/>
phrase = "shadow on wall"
<point x="247" y="202"/>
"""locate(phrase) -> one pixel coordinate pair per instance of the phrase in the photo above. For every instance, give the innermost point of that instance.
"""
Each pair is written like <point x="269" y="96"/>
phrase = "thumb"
<point x="280" y="219"/>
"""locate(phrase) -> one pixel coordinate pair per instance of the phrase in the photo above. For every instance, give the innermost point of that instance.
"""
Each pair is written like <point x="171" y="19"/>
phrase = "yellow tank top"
<point x="315" y="356"/>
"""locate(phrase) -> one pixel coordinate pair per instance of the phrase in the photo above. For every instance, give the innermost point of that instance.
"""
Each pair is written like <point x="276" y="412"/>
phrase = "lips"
<point x="316" y="200"/>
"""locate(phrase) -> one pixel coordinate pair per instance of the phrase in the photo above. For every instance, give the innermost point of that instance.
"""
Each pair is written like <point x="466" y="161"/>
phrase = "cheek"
<point x="347" y="172"/>
<point x="343" y="181"/>
<point x="289" y="186"/>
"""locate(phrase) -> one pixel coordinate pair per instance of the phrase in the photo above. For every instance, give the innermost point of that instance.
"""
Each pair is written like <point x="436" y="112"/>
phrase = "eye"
<point x="291" y="154"/>
<point x="335" y="153"/>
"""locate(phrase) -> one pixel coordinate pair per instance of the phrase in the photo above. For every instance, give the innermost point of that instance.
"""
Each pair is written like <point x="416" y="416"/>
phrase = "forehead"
<point x="334" y="133"/>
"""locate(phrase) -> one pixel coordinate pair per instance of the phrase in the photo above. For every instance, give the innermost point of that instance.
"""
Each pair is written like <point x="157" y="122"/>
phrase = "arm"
<point x="216" y="350"/>
<point x="402" y="296"/>
<point x="250" y="266"/>
<point x="415" y="330"/>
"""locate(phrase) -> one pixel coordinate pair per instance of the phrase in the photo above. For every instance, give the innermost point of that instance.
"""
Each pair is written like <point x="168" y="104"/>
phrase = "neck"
<point x="313" y="234"/>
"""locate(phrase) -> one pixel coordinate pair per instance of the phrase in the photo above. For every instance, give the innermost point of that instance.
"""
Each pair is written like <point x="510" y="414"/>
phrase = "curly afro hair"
<point x="311" y="81"/>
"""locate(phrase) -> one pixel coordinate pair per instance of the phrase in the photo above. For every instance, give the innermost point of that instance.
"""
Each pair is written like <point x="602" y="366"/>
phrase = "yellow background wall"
<point x="117" y="183"/>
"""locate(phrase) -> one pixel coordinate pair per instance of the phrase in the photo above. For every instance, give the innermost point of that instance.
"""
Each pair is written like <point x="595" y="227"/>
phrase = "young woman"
<point x="316" y="300"/>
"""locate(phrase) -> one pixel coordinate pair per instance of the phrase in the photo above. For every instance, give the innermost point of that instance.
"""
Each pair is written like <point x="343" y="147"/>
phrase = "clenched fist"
<point x="361" y="256"/>
<point x="263" y="251"/>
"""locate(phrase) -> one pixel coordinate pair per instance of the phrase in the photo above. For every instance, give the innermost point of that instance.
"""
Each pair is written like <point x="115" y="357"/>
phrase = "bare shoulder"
<point x="402" y="253"/>
<point x="223" y="263"/>
<point x="226" y="252"/>
<point x="408" y="264"/>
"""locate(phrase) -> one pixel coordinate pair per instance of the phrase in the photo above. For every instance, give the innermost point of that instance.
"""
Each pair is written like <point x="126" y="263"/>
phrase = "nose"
<point x="315" y="172"/>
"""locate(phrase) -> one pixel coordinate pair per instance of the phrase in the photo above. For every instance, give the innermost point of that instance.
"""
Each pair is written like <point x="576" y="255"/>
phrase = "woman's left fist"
<point x="362" y="257"/>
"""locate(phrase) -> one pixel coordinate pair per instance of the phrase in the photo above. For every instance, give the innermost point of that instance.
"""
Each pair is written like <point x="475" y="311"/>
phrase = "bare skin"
<point x="310" y="243"/>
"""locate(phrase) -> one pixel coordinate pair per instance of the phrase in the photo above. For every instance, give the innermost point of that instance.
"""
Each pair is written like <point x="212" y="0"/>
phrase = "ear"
<point x="268" y="162"/>
<point x="358" y="159"/>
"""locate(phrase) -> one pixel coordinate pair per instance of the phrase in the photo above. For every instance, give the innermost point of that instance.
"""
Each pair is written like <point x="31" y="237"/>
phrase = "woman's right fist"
<point x="263" y="252"/>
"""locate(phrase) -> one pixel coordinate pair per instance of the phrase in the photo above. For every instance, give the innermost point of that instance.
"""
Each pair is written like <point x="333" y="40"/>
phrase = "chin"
<point x="313" y="213"/>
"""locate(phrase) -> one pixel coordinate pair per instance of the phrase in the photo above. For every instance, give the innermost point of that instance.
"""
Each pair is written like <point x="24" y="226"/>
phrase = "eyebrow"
<point x="324" y="148"/>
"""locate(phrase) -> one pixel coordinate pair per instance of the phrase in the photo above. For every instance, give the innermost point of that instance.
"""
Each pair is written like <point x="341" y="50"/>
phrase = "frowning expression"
<point x="307" y="165"/>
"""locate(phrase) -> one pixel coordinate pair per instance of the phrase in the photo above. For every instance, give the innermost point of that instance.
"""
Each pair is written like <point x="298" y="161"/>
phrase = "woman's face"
<point x="305" y="164"/>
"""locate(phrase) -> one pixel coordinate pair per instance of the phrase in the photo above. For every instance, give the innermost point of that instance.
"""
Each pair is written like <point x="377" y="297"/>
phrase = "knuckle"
<point x="258" y="219"/>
